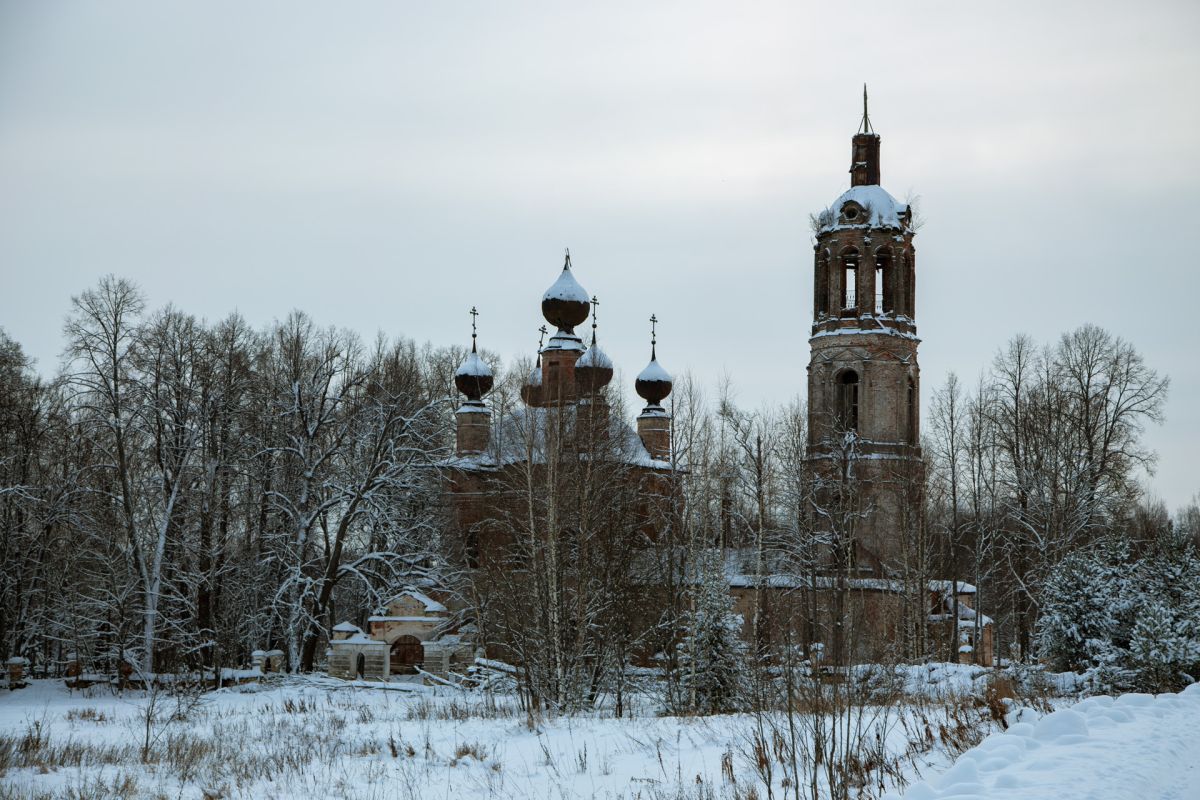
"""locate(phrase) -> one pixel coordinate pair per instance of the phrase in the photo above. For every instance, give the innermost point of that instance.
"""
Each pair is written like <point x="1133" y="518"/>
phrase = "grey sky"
<point x="384" y="166"/>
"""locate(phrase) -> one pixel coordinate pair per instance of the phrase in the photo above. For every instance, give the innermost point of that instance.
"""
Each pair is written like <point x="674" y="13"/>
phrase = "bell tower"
<point x="863" y="377"/>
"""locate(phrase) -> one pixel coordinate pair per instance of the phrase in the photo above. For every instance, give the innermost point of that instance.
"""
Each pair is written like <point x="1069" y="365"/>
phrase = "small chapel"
<point x="864" y="456"/>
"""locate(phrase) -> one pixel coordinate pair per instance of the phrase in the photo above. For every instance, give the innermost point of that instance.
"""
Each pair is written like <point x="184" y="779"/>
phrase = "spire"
<point x="653" y="336"/>
<point x="865" y="127"/>
<point x="474" y="332"/>
<point x="864" y="155"/>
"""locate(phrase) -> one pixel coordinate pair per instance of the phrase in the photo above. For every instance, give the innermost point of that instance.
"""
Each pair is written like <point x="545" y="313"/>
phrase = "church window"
<point x="849" y="279"/>
<point x="848" y="400"/>
<point x="884" y="283"/>
<point x="822" y="288"/>
<point x="911" y="422"/>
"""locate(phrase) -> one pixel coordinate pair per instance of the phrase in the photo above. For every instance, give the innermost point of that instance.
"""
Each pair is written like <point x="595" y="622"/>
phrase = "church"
<point x="551" y="493"/>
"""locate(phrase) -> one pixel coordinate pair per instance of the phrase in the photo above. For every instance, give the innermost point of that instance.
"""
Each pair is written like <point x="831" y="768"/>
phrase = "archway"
<point x="407" y="654"/>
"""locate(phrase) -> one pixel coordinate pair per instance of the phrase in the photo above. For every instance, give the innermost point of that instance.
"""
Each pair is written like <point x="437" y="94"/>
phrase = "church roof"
<point x="521" y="432"/>
<point x="882" y="210"/>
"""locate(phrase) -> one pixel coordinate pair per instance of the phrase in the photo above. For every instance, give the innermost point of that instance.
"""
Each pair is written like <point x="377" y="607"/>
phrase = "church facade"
<point x="533" y="513"/>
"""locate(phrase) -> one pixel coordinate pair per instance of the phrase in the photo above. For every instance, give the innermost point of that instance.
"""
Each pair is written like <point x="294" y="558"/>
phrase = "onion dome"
<point x="653" y="383"/>
<point x="474" y="377"/>
<point x="593" y="369"/>
<point x="531" y="391"/>
<point x="565" y="305"/>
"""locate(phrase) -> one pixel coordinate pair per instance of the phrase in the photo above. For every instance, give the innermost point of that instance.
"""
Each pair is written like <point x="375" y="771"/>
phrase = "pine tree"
<point x="1162" y="648"/>
<point x="711" y="653"/>
<point x="1085" y="612"/>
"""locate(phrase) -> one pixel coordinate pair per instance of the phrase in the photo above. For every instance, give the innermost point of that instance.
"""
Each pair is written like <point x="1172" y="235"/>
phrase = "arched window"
<point x="821" y="290"/>
<point x="911" y="406"/>
<point x="848" y="400"/>
<point x="885" y="279"/>
<point x="910" y="285"/>
<point x="849" y="279"/>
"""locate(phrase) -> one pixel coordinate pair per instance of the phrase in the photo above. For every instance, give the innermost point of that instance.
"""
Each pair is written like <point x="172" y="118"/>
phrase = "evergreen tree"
<point x="711" y="654"/>
<point x="1162" y="648"/>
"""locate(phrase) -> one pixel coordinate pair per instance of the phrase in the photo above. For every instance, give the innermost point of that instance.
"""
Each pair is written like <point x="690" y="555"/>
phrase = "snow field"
<point x="317" y="737"/>
<point x="1138" y="746"/>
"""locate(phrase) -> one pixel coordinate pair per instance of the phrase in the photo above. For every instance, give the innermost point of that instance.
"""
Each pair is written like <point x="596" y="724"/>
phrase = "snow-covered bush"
<point x="1130" y="623"/>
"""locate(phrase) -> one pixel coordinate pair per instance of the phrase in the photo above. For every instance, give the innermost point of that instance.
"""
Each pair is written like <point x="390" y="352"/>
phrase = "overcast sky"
<point x="384" y="166"/>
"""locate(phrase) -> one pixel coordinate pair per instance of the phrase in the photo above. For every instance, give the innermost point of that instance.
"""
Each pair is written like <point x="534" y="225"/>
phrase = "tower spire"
<point x="653" y="336"/>
<point x="474" y="332"/>
<point x="865" y="127"/>
<point x="864" y="158"/>
<point x="595" y="305"/>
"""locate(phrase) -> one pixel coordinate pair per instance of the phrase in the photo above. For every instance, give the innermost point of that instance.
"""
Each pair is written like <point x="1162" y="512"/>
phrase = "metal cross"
<point x="543" y="331"/>
<point x="653" y="329"/>
<point x="474" y="314"/>
<point x="567" y="263"/>
<point x="595" y="303"/>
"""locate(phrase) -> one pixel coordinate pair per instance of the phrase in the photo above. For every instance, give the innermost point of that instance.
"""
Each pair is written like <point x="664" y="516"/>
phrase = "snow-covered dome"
<point x="565" y="304"/>
<point x="865" y="206"/>
<point x="653" y="383"/>
<point x="474" y="377"/>
<point x="535" y="375"/>
<point x="594" y="357"/>
<point x="593" y="369"/>
<point x="531" y="391"/>
<point x="566" y="288"/>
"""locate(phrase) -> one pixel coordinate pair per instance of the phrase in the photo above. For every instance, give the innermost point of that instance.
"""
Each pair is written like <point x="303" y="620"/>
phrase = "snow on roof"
<point x="566" y="288"/>
<point x="346" y="627"/>
<point x="424" y="599"/>
<point x="945" y="586"/>
<point x="595" y="357"/>
<point x="885" y="329"/>
<point x="521" y="433"/>
<point x="359" y="638"/>
<point x="654" y="372"/>
<point x="535" y="377"/>
<point x="431" y="606"/>
<point x="474" y="366"/>
<point x="564" y="341"/>
<point x="883" y="210"/>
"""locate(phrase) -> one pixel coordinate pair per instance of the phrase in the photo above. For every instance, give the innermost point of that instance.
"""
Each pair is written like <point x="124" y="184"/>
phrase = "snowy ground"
<point x="303" y="738"/>
<point x="1138" y="746"/>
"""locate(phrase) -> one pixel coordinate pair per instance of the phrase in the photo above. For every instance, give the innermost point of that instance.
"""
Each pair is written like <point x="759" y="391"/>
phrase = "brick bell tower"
<point x="863" y="378"/>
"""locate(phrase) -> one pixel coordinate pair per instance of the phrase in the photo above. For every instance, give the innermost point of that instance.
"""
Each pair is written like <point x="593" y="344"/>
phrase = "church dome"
<point x="653" y="383"/>
<point x="866" y="206"/>
<point x="565" y="304"/>
<point x="474" y="377"/>
<point x="593" y="370"/>
<point x="531" y="391"/>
